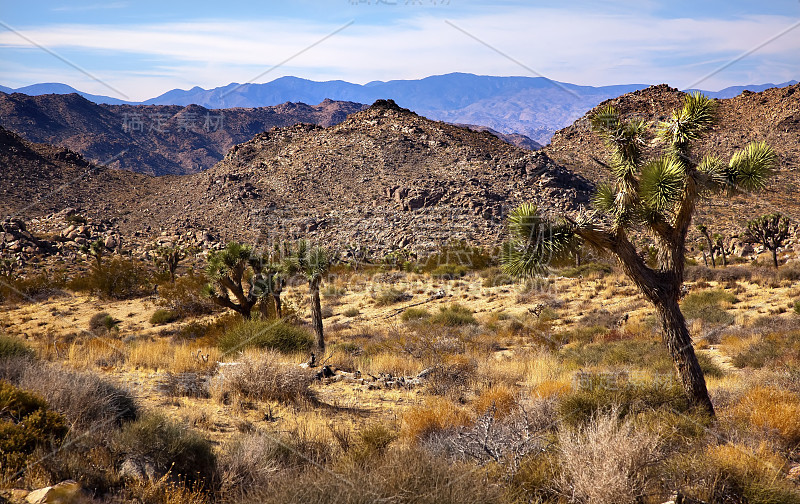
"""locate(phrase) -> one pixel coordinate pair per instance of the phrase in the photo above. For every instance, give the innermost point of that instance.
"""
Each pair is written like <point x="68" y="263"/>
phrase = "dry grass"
<point x="772" y="409"/>
<point x="606" y="461"/>
<point x="436" y="414"/>
<point x="500" y="398"/>
<point x="164" y="355"/>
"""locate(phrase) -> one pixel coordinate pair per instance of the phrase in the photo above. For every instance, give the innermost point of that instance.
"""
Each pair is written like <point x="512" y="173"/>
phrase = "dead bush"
<point x="606" y="461"/>
<point x="263" y="377"/>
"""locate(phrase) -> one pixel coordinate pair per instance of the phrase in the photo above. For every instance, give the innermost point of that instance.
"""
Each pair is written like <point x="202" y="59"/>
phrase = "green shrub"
<point x="161" y="317"/>
<point x="593" y="269"/>
<point x="493" y="277"/>
<point x="706" y="305"/>
<point x="331" y="291"/>
<point x="13" y="347"/>
<point x="459" y="253"/>
<point x="449" y="271"/>
<point x="102" y="322"/>
<point x="796" y="307"/>
<point x="26" y="423"/>
<point x="116" y="278"/>
<point x="602" y="392"/>
<point x="454" y="315"/>
<point x="411" y="314"/>
<point x="170" y="447"/>
<point x="390" y="296"/>
<point x="272" y="334"/>
<point x="351" y="312"/>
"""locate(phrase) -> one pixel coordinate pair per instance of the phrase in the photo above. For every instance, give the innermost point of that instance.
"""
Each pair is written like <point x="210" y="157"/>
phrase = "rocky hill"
<point x="772" y="115"/>
<point x="153" y="139"/>
<point x="384" y="178"/>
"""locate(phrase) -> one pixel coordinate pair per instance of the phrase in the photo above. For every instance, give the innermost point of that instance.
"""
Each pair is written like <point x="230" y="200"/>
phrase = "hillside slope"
<point x="772" y="116"/>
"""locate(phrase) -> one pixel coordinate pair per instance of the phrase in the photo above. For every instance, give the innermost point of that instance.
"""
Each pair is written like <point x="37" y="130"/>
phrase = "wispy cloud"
<point x="584" y="47"/>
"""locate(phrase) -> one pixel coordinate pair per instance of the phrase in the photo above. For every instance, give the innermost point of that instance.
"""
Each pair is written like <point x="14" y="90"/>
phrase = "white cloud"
<point x="579" y="47"/>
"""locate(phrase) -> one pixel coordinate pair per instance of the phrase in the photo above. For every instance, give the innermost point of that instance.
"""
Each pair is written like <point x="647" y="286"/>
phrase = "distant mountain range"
<point x="532" y="106"/>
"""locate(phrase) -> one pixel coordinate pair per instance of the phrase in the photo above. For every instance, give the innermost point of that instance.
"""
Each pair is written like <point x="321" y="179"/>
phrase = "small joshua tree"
<point x="771" y="231"/>
<point x="710" y="244"/>
<point x="170" y="258"/>
<point x="657" y="196"/>
<point x="226" y="268"/>
<point x="312" y="263"/>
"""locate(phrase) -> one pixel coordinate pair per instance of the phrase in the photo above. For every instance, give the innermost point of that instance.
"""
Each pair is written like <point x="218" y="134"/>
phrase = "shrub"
<point x="454" y="315"/>
<point x="171" y="447"/>
<point x="270" y="334"/>
<point x="117" y="278"/>
<point x="33" y="287"/>
<point x="184" y="297"/>
<point x="411" y="314"/>
<point x="390" y="296"/>
<point x="591" y="270"/>
<point x="351" y="312"/>
<point x="102" y="322"/>
<point x="501" y="399"/>
<point x="26" y="423"/>
<point x="775" y="350"/>
<point x="606" y="461"/>
<point x="743" y="474"/>
<point x="254" y="460"/>
<point x="264" y="378"/>
<point x="449" y="271"/>
<point x="11" y="347"/>
<point x="372" y="442"/>
<point x="451" y="379"/>
<point x="402" y="476"/>
<point x="493" y="277"/>
<point x="85" y="399"/>
<point x="596" y="393"/>
<point x="161" y="317"/>
<point x="706" y="305"/>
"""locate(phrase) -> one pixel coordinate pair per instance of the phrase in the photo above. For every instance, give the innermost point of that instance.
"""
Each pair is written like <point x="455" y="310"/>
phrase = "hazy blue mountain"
<point x="58" y="88"/>
<point x="532" y="106"/>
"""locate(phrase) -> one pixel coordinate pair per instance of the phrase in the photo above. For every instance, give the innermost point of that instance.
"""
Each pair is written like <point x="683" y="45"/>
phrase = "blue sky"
<point x="140" y="49"/>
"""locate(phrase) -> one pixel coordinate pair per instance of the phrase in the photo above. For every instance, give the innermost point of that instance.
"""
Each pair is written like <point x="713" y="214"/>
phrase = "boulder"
<point x="66" y="492"/>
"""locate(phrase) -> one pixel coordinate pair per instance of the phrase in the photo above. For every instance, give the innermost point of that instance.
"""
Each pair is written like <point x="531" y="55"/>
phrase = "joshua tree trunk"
<point x="662" y="289"/>
<point x="775" y="257"/>
<point x="276" y="300"/>
<point x="677" y="339"/>
<point x="316" y="314"/>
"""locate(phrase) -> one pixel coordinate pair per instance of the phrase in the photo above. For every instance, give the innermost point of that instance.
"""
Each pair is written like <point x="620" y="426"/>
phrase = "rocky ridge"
<point x="153" y="139"/>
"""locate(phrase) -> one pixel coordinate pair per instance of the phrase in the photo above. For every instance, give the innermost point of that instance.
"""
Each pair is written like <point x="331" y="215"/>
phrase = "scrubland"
<point x="448" y="384"/>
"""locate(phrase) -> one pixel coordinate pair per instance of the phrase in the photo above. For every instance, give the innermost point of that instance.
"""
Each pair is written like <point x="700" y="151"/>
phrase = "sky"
<point x="139" y="49"/>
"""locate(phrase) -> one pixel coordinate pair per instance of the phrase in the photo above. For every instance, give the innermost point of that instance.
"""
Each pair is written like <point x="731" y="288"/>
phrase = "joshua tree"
<point x="96" y="249"/>
<point x="657" y="196"/>
<point x="719" y="246"/>
<point x="312" y="263"/>
<point x="771" y="230"/>
<point x="170" y="257"/>
<point x="226" y="268"/>
<point x="711" y="248"/>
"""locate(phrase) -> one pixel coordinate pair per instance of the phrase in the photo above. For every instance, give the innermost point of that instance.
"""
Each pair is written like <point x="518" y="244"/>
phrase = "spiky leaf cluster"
<point x="657" y="195"/>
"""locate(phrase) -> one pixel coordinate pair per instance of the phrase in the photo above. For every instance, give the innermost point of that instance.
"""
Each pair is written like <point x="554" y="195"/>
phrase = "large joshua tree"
<point x="656" y="196"/>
